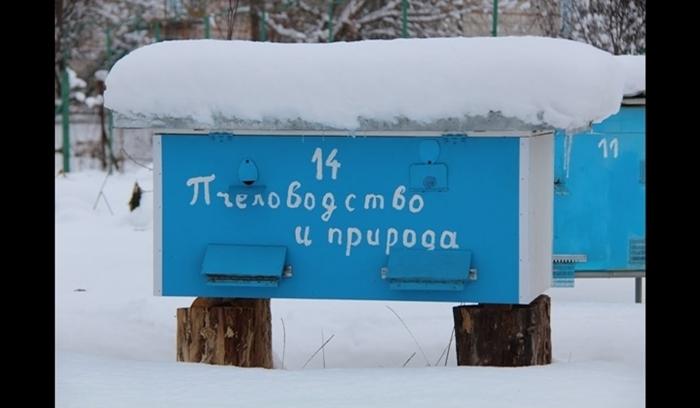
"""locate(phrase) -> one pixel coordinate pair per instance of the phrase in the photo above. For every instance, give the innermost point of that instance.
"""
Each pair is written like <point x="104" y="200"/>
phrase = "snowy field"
<point x="115" y="342"/>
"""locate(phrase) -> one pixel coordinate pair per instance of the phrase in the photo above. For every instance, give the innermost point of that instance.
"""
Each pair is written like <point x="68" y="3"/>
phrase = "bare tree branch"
<point x="617" y="26"/>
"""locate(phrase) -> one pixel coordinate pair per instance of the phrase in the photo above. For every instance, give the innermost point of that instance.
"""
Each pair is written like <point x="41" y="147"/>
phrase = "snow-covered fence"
<point x="128" y="144"/>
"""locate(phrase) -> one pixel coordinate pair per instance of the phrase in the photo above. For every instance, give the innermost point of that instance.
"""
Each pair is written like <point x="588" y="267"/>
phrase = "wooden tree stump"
<point x="226" y="332"/>
<point x="504" y="335"/>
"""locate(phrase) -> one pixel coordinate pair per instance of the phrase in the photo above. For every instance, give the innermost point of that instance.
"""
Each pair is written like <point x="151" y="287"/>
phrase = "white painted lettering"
<point x="258" y="200"/>
<point x="354" y="239"/>
<point x="273" y="200"/>
<point x="240" y="200"/>
<point x="223" y="195"/>
<point x="309" y="201"/>
<point x="448" y="240"/>
<point x="399" y="201"/>
<point x="415" y="208"/>
<point x="373" y="241"/>
<point x="612" y="145"/>
<point x="302" y="240"/>
<point x="318" y="159"/>
<point x="374" y="200"/>
<point x="293" y="199"/>
<point x="409" y="238"/>
<point x="350" y="197"/>
<point x="333" y="163"/>
<point x="196" y="181"/>
<point x="335" y="232"/>
<point x="328" y="202"/>
<point x="428" y="240"/>
<point x="392" y="236"/>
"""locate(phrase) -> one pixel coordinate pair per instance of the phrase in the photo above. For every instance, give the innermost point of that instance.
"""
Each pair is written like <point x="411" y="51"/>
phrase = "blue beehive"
<point x="599" y="202"/>
<point x="375" y="216"/>
<point x="357" y="189"/>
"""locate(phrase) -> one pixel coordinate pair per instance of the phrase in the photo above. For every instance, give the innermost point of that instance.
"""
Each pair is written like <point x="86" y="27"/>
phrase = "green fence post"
<point x="263" y="25"/>
<point x="331" y="5"/>
<point x="494" y="26"/>
<point x="109" y="113"/>
<point x="108" y="47"/>
<point x="65" y="117"/>
<point x="110" y="127"/>
<point x="404" y="18"/>
<point x="157" y="31"/>
<point x="207" y="27"/>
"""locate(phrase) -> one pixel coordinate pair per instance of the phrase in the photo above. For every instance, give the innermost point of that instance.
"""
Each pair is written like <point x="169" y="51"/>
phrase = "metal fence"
<point x="85" y="130"/>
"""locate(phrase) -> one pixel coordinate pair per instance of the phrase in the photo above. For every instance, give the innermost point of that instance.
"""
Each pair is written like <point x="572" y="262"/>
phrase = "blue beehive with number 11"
<point x="599" y="202"/>
<point x="599" y="191"/>
<point x="277" y="177"/>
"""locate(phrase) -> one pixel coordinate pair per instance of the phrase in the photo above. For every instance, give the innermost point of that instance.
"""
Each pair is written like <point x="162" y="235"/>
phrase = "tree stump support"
<point x="226" y="331"/>
<point x="504" y="335"/>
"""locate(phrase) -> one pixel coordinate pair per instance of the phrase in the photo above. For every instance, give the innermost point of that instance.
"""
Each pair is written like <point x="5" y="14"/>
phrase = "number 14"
<point x="330" y="162"/>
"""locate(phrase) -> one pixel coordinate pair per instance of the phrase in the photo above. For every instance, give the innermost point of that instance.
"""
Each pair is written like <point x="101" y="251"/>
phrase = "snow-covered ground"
<point x="115" y="341"/>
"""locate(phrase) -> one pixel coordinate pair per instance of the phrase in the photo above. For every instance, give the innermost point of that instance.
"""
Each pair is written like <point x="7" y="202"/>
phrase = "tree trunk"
<point x="504" y="335"/>
<point x="107" y="159"/>
<point x="225" y="332"/>
<point x="103" y="133"/>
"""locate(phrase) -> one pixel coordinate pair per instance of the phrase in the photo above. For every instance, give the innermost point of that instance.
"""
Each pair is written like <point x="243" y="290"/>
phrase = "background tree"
<point x="81" y="27"/>
<point x="352" y="20"/>
<point x="617" y="26"/>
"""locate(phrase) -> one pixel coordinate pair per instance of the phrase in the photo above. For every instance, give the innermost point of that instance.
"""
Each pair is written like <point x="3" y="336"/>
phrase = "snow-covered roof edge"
<point x="439" y="84"/>
<point x="634" y="67"/>
<point x="493" y="122"/>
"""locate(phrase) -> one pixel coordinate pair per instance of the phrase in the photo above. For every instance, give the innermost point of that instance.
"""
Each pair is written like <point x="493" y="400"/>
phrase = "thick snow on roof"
<point x="504" y="82"/>
<point x="635" y="73"/>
